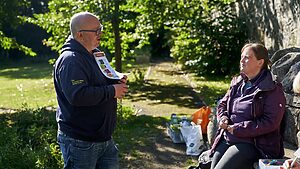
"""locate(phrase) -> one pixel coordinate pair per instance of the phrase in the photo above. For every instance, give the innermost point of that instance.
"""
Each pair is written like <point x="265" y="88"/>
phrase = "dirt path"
<point x="166" y="90"/>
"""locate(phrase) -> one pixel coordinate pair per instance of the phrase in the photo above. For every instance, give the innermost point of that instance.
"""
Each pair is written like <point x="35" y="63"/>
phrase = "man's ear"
<point x="78" y="35"/>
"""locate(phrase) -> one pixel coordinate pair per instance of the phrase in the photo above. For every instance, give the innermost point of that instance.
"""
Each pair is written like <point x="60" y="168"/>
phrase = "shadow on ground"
<point x="15" y="71"/>
<point x="173" y="94"/>
<point x="151" y="147"/>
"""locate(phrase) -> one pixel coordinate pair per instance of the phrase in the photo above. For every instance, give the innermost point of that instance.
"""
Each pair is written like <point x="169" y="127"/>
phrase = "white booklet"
<point x="105" y="67"/>
<point x="297" y="153"/>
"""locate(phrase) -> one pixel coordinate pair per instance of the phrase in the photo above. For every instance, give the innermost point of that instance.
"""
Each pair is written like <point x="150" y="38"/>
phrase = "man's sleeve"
<point x="74" y="83"/>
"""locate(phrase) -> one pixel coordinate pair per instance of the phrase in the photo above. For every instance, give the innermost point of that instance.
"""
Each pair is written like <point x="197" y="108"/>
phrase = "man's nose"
<point x="242" y="60"/>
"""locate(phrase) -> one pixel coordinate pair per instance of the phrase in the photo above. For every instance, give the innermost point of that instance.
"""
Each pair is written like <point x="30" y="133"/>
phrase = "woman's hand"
<point x="223" y="123"/>
<point x="230" y="129"/>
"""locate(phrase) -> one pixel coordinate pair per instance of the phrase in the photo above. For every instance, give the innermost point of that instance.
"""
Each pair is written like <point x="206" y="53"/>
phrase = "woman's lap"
<point x="237" y="156"/>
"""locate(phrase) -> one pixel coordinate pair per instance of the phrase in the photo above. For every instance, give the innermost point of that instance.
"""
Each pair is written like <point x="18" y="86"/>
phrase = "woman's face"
<point x="249" y="64"/>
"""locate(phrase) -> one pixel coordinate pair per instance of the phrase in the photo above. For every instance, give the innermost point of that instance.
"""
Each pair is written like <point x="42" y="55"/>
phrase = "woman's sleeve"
<point x="222" y="107"/>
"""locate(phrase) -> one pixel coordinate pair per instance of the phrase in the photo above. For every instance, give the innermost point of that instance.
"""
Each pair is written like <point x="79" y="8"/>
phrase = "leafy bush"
<point x="210" y="42"/>
<point x="28" y="138"/>
<point x="8" y="24"/>
<point x="13" y="154"/>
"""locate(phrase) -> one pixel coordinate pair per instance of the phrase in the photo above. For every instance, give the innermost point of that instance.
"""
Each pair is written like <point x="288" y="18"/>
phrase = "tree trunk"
<point x="116" y="29"/>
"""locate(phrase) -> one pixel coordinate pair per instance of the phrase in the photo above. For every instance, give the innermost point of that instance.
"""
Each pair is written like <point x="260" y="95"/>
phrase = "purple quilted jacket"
<point x="256" y="114"/>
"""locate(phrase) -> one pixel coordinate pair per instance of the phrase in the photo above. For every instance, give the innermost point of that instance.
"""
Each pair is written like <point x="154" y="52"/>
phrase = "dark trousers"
<point x="237" y="156"/>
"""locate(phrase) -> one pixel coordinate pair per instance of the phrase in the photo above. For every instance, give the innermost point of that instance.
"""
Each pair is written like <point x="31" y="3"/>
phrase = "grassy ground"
<point x="24" y="84"/>
<point x="210" y="88"/>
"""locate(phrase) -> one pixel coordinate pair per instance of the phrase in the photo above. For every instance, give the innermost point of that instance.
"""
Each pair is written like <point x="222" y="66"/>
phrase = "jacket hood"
<point x="72" y="44"/>
<point x="265" y="81"/>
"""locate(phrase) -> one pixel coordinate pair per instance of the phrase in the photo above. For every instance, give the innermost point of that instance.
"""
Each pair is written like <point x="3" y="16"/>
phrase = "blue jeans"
<point x="80" y="154"/>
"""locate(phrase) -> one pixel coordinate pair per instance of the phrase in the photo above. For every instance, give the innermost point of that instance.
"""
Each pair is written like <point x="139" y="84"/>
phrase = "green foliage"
<point x="7" y="17"/>
<point x="12" y="154"/>
<point x="30" y="140"/>
<point x="124" y="115"/>
<point x="9" y="21"/>
<point x="138" y="76"/>
<point x="209" y="42"/>
<point x="56" y="21"/>
<point x="7" y="43"/>
<point x="203" y="35"/>
<point x="28" y="137"/>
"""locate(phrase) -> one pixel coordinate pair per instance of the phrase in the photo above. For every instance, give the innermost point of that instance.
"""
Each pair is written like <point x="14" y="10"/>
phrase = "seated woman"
<point x="250" y="114"/>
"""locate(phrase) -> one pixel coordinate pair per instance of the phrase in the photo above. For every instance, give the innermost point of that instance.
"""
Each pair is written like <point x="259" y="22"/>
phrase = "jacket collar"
<point x="264" y="81"/>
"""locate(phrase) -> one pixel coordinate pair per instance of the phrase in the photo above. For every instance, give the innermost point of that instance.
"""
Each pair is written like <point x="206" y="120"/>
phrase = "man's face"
<point x="249" y="64"/>
<point x="90" y="33"/>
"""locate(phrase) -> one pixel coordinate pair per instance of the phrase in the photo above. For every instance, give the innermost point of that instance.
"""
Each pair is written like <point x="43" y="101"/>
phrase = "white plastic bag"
<point x="193" y="139"/>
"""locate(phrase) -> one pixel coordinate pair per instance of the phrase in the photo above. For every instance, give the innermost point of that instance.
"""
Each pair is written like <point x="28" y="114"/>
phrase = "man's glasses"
<point x="97" y="31"/>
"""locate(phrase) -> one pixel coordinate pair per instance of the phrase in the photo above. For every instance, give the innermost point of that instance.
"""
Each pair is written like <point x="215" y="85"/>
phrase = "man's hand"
<point x="123" y="80"/>
<point x="120" y="90"/>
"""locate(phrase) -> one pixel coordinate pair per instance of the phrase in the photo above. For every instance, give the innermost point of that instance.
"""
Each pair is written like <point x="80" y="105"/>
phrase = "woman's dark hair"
<point x="260" y="52"/>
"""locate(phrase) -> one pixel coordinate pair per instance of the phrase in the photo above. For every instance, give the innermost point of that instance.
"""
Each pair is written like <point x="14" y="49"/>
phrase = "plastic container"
<point x="174" y="119"/>
<point x="175" y="135"/>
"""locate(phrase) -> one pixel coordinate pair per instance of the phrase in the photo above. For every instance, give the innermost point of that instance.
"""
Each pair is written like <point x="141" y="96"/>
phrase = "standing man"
<point x="87" y="100"/>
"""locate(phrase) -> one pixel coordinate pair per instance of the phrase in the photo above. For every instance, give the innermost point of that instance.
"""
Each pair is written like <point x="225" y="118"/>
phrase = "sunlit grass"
<point x="26" y="85"/>
<point x="211" y="88"/>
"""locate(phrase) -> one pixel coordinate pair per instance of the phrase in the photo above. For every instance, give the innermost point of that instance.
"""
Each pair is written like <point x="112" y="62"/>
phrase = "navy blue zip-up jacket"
<point x="86" y="104"/>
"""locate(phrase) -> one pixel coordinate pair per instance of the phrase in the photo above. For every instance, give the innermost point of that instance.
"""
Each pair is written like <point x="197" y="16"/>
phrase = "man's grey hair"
<point x="76" y="21"/>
